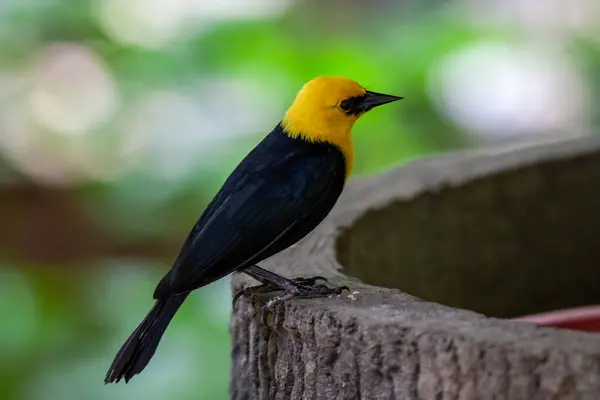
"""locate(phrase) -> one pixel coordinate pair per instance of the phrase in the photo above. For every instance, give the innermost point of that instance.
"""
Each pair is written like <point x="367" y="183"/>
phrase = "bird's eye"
<point x="346" y="105"/>
<point x="352" y="105"/>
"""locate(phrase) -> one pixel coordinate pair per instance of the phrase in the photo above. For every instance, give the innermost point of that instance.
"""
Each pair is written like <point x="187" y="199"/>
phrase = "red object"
<point x="580" y="318"/>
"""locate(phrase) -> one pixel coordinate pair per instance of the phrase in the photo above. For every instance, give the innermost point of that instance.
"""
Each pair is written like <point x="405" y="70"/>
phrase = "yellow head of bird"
<point x="326" y="108"/>
<point x="329" y="106"/>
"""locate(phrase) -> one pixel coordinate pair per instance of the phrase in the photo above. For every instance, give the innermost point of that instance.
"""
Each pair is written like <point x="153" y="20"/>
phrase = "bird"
<point x="280" y="191"/>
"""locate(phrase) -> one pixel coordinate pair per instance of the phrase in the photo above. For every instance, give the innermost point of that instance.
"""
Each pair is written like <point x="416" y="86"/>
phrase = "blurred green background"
<point x="119" y="119"/>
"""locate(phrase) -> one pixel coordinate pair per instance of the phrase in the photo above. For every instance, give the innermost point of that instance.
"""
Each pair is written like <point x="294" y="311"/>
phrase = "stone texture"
<point x="501" y="231"/>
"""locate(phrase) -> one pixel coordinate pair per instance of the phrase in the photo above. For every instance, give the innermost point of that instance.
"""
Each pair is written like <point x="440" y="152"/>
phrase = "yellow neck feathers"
<point x="317" y="131"/>
<point x="316" y="115"/>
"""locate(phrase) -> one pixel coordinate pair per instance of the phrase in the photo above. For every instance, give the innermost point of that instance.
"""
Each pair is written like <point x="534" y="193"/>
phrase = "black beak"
<point x="373" y="100"/>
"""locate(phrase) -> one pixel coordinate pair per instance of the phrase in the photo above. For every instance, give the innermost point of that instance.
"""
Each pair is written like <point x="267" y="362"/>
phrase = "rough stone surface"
<point x="405" y="230"/>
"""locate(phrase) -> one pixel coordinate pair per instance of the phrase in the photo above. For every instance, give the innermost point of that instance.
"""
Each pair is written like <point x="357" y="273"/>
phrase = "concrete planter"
<point x="443" y="252"/>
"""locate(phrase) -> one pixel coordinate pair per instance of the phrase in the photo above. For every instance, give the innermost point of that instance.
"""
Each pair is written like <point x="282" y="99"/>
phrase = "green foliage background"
<point x="62" y="321"/>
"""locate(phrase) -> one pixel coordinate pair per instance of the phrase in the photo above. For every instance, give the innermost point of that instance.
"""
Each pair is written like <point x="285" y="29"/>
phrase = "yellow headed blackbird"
<point x="277" y="194"/>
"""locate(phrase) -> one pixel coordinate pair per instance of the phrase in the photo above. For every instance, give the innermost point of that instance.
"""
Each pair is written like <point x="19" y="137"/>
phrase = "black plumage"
<point x="278" y="193"/>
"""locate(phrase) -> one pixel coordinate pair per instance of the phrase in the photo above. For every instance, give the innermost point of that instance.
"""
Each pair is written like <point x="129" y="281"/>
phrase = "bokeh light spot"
<point x="498" y="89"/>
<point x="157" y="23"/>
<point x="73" y="91"/>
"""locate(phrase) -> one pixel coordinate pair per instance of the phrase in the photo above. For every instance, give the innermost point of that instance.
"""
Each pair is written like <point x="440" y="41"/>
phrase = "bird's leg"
<point x="274" y="281"/>
<point x="271" y="282"/>
<point x="293" y="288"/>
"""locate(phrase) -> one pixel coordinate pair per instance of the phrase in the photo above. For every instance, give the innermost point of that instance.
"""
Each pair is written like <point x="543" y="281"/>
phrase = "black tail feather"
<point x="138" y="349"/>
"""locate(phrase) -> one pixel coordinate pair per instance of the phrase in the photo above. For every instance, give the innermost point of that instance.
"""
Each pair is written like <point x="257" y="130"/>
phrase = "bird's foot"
<point x="270" y="287"/>
<point x="299" y="288"/>
<point x="300" y="292"/>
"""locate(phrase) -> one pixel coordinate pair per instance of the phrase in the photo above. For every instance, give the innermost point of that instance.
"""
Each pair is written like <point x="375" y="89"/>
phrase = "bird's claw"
<point x="266" y="288"/>
<point x="299" y="292"/>
<point x="299" y="288"/>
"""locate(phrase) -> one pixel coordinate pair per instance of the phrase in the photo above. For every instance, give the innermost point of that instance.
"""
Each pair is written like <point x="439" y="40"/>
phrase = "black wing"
<point x="262" y="209"/>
